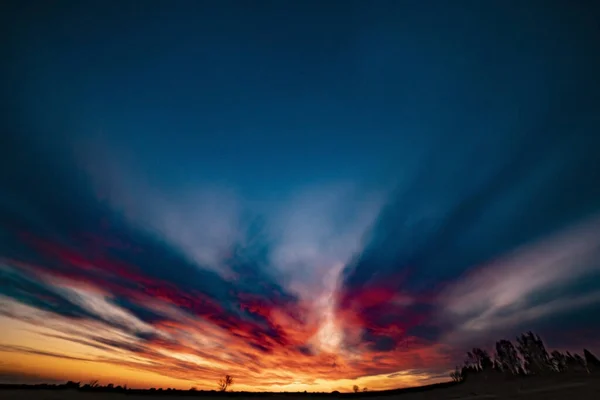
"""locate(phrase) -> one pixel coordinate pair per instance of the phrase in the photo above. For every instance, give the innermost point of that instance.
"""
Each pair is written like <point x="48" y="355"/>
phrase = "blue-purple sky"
<point x="304" y="194"/>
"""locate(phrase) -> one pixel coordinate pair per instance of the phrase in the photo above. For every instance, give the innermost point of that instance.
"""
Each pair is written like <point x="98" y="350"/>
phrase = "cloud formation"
<point x="350" y="208"/>
<point x="331" y="284"/>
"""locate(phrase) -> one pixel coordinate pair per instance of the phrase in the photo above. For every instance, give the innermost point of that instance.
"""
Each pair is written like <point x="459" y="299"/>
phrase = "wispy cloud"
<point x="513" y="290"/>
<point x="328" y="283"/>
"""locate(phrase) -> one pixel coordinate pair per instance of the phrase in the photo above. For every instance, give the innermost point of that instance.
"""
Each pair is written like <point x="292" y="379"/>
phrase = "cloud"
<point x="202" y="224"/>
<point x="132" y="294"/>
<point x="507" y="292"/>
<point x="27" y="350"/>
<point x="450" y="222"/>
<point x="333" y="280"/>
<point x="12" y="377"/>
<point x="82" y="263"/>
<point x="36" y="294"/>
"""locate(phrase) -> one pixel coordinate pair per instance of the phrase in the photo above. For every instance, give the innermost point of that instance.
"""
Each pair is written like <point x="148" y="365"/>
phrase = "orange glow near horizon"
<point x="39" y="355"/>
<point x="96" y="310"/>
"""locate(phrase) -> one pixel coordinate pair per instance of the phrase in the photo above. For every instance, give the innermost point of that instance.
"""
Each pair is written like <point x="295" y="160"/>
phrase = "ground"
<point x="554" y="389"/>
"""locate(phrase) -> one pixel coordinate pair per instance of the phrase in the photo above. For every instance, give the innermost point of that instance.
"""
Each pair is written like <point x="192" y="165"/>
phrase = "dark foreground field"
<point x="554" y="389"/>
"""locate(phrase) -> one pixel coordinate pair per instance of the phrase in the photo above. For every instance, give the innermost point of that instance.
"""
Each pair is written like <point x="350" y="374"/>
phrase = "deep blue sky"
<point x="300" y="91"/>
<point x="380" y="172"/>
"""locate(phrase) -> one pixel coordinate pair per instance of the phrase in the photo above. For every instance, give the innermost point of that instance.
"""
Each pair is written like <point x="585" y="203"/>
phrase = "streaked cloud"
<point x="304" y="210"/>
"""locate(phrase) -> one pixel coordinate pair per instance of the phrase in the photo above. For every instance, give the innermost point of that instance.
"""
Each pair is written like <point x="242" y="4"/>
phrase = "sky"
<point x="306" y="195"/>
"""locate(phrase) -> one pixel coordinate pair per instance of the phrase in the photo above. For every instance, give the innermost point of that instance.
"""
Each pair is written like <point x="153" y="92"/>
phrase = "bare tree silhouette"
<point x="355" y="388"/>
<point x="225" y="382"/>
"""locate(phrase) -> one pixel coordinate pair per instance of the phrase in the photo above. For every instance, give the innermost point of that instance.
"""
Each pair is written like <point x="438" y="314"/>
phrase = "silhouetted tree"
<point x="592" y="362"/>
<point x="225" y="382"/>
<point x="478" y="363"/>
<point x="365" y="389"/>
<point x="533" y="351"/>
<point x="471" y="362"/>
<point x="497" y="366"/>
<point x="559" y="361"/>
<point x="456" y="375"/>
<point x="468" y="370"/>
<point x="355" y="388"/>
<point x="529" y="357"/>
<point x="72" y="385"/>
<point x="485" y="361"/>
<point x="507" y="356"/>
<point x="575" y="364"/>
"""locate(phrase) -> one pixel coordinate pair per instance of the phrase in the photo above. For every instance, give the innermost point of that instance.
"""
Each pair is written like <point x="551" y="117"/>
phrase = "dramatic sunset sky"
<point x="306" y="195"/>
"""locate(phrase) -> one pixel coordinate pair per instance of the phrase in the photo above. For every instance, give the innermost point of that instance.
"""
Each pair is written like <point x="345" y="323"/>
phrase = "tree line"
<point x="528" y="358"/>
